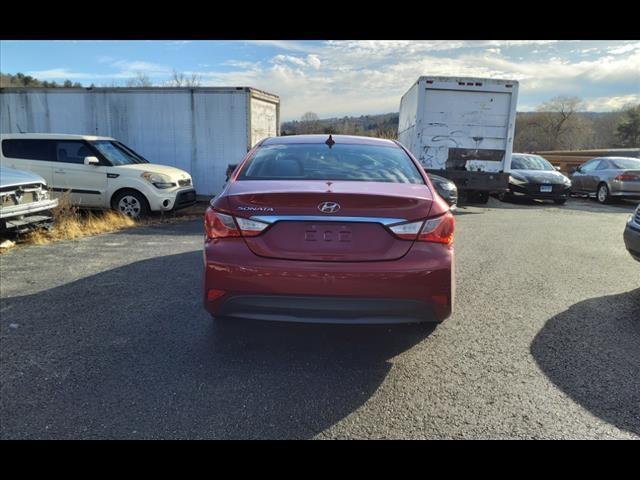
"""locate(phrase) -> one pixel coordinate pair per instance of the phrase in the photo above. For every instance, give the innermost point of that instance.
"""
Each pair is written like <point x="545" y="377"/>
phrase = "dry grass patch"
<point x="70" y="223"/>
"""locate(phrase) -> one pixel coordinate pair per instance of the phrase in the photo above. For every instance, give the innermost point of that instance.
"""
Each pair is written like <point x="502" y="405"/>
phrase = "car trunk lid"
<point x="339" y="221"/>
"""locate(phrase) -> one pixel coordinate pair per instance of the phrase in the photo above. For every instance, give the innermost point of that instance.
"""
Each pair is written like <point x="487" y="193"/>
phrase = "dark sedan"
<point x="445" y="188"/>
<point x="632" y="234"/>
<point x="533" y="177"/>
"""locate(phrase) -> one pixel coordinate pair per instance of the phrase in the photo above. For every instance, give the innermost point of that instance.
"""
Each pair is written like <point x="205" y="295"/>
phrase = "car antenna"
<point x="330" y="141"/>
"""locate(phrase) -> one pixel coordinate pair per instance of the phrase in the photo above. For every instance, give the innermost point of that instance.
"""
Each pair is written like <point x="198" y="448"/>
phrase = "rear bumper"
<point x="419" y="287"/>
<point x="632" y="240"/>
<point x="290" y="308"/>
<point x="624" y="189"/>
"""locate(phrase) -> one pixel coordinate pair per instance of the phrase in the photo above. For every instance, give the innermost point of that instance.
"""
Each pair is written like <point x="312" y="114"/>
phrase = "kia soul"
<point x="329" y="229"/>
<point x="99" y="172"/>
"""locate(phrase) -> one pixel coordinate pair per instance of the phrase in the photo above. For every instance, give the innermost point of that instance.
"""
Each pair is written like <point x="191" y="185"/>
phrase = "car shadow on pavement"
<point x="131" y="353"/>
<point x="183" y="227"/>
<point x="592" y="353"/>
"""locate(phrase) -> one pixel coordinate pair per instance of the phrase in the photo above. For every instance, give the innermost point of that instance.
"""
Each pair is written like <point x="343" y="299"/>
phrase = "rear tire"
<point x="602" y="193"/>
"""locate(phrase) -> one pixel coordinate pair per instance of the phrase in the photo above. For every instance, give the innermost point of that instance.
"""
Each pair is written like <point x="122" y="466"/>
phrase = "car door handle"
<point x="58" y="171"/>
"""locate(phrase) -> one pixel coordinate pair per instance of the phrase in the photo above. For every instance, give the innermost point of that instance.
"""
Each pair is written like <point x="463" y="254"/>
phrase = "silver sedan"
<point x="608" y="177"/>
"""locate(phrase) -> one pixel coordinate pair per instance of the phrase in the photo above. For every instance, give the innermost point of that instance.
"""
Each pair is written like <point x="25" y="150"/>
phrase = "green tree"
<point x="628" y="130"/>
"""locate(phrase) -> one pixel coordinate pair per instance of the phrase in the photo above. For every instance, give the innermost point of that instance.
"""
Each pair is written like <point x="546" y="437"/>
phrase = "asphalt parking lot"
<point x="105" y="337"/>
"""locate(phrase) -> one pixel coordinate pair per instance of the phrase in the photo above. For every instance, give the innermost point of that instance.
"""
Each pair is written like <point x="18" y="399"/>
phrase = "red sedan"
<point x="329" y="229"/>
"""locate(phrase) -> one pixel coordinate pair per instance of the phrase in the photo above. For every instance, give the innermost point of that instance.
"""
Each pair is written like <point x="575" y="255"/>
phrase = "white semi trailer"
<point x="462" y="129"/>
<point x="201" y="130"/>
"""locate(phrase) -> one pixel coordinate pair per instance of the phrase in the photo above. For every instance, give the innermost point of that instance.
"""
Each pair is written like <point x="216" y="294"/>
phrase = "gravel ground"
<point x="105" y="337"/>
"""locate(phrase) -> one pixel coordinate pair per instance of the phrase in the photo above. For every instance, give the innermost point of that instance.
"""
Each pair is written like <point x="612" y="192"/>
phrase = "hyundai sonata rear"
<point x="329" y="230"/>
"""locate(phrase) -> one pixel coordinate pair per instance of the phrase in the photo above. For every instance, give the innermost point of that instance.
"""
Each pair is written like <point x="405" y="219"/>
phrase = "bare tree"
<point x="309" y="123"/>
<point x="140" y="80"/>
<point x="179" y="79"/>
<point x="557" y="121"/>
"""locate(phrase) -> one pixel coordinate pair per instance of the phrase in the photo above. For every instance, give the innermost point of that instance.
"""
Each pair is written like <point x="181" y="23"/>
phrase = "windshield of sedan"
<point x="366" y="163"/>
<point x="530" y="162"/>
<point x="626" y="163"/>
<point x="117" y="153"/>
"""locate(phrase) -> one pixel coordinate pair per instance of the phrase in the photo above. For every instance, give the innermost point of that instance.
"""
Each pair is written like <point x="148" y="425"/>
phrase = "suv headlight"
<point x="159" y="180"/>
<point x="42" y="194"/>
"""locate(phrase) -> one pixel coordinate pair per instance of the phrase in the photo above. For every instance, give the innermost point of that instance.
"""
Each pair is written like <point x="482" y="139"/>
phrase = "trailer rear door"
<point x="465" y="129"/>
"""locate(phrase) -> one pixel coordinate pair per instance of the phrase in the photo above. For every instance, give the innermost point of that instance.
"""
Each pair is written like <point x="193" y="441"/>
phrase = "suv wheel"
<point x="131" y="203"/>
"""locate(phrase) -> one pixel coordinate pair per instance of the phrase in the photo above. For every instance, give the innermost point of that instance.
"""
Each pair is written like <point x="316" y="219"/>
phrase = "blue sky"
<point x="337" y="78"/>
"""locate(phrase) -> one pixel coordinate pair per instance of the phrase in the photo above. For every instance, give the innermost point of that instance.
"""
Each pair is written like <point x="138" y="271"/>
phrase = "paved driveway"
<point x="105" y="337"/>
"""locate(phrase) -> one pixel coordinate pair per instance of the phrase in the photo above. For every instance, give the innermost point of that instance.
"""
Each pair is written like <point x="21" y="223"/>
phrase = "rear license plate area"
<point x="332" y="233"/>
<point x="546" y="188"/>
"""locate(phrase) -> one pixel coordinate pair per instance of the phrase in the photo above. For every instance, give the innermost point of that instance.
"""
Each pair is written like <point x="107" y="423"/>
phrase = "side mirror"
<point x="558" y="168"/>
<point x="230" y="169"/>
<point x="91" y="161"/>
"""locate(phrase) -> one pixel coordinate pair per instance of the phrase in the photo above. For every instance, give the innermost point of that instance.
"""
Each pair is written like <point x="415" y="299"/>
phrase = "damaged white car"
<point x="24" y="201"/>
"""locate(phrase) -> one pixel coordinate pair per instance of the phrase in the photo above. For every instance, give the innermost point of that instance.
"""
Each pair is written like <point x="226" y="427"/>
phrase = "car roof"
<point x="51" y="136"/>
<point x="616" y="158"/>
<point x="318" y="139"/>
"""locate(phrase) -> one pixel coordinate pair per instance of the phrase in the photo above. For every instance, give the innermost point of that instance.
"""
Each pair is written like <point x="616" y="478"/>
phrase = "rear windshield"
<point x="366" y="163"/>
<point x="625" y="163"/>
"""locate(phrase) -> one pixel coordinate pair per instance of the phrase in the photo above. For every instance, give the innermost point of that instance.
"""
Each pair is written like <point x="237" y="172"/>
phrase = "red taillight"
<point x="214" y="294"/>
<point x="407" y="231"/>
<point x="221" y="225"/>
<point x="628" y="177"/>
<point x="438" y="230"/>
<point x="250" y="228"/>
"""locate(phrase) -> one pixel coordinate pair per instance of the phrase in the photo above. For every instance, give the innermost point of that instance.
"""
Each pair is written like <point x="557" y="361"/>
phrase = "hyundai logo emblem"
<point x="329" y="207"/>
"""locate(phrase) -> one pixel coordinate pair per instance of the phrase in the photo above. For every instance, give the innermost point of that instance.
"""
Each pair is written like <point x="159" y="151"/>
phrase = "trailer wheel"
<point x="478" y="197"/>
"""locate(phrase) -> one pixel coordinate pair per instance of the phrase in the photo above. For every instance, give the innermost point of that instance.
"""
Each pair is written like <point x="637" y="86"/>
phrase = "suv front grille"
<point x="637" y="216"/>
<point x="19" y="195"/>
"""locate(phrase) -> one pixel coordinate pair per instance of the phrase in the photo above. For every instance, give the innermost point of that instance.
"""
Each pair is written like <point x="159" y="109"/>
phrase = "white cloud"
<point x="369" y="77"/>
<point x="128" y="67"/>
<point x="283" y="44"/>
<point x="314" y="61"/>
<point x="58" y="73"/>
<point x="630" y="47"/>
<point x="337" y="78"/>
<point x="600" y="104"/>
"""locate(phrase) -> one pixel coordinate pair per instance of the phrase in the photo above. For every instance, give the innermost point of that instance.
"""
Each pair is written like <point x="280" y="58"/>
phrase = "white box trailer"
<point x="462" y="129"/>
<point x="200" y="130"/>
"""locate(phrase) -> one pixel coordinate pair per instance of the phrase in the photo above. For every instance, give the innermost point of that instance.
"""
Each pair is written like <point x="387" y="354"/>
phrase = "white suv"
<point x="99" y="172"/>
